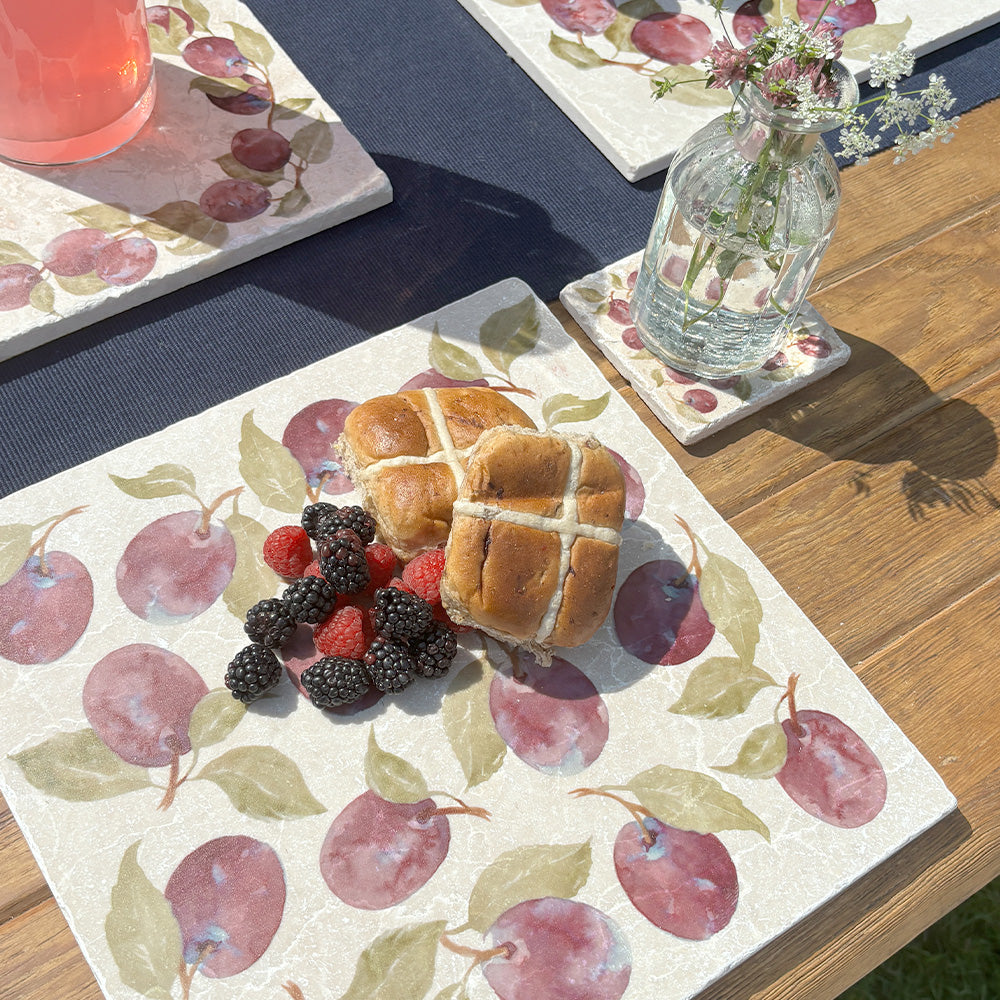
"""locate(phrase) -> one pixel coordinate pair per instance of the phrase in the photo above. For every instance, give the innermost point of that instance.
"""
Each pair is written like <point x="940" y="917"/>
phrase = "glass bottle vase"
<point x="747" y="211"/>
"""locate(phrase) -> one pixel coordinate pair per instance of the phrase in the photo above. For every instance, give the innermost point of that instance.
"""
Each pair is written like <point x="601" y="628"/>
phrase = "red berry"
<point x="381" y="565"/>
<point x="423" y="575"/>
<point x="400" y="584"/>
<point x="347" y="632"/>
<point x="288" y="551"/>
<point x="312" y="569"/>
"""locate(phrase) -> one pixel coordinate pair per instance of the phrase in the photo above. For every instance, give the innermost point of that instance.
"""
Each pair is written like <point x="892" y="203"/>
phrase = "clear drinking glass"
<point x="76" y="78"/>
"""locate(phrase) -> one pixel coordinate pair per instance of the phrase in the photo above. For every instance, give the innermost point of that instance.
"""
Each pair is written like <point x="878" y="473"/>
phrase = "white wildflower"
<point x="888" y="68"/>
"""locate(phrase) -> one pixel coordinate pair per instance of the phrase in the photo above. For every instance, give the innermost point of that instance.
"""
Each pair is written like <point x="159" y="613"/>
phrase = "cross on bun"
<point x="533" y="552"/>
<point x="406" y="453"/>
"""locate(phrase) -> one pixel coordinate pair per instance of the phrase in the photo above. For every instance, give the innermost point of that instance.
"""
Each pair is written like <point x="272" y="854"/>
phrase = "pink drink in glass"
<point x="76" y="78"/>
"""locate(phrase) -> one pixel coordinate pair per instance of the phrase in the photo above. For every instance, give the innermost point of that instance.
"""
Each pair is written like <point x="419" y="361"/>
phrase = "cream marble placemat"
<point x="184" y="810"/>
<point x="587" y="58"/>
<point x="240" y="156"/>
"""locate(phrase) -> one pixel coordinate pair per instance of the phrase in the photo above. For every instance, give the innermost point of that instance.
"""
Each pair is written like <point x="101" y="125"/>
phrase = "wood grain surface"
<point x="873" y="496"/>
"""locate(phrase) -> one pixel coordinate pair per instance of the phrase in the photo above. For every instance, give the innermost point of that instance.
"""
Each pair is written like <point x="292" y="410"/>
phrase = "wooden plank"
<point x="889" y="207"/>
<point x="871" y="548"/>
<point x="22" y="886"/>
<point x="40" y="959"/>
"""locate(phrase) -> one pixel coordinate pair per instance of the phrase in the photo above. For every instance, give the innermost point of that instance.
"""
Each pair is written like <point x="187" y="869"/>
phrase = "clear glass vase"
<point x="747" y="211"/>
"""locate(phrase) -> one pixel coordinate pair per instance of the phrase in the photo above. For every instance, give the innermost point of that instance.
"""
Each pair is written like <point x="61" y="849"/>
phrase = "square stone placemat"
<point x="175" y="204"/>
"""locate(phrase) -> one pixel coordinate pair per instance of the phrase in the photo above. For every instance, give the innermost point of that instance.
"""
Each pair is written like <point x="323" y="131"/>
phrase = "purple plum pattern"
<point x="635" y="845"/>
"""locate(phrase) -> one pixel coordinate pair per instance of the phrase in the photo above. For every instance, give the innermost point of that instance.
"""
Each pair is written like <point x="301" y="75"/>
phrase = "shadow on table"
<point x="948" y="454"/>
<point x="846" y="911"/>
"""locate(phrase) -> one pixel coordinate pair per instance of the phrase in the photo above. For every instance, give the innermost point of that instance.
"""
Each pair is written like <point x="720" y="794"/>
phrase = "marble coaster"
<point x="591" y="65"/>
<point x="367" y="852"/>
<point x="182" y="200"/>
<point x="690" y="408"/>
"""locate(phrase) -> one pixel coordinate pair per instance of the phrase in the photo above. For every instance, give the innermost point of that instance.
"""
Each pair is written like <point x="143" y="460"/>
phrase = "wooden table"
<point x="874" y="498"/>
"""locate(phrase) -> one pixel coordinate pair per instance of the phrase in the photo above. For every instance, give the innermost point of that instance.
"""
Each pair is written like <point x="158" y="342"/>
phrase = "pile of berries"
<point x="373" y="628"/>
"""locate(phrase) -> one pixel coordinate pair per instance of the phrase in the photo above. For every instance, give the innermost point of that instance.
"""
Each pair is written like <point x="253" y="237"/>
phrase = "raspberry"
<point x="398" y="583"/>
<point x="252" y="672"/>
<point x="434" y="650"/>
<point x="381" y="562"/>
<point x="398" y="614"/>
<point x="423" y="575"/>
<point x="345" y="633"/>
<point x="390" y="665"/>
<point x="288" y="551"/>
<point x="342" y="561"/>
<point x="312" y="569"/>
<point x="269" y="623"/>
<point x="335" y="680"/>
<point x="310" y="600"/>
<point x="321" y="519"/>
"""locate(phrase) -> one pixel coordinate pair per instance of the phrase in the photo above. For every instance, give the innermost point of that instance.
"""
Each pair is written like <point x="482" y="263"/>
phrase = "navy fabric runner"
<point x="491" y="181"/>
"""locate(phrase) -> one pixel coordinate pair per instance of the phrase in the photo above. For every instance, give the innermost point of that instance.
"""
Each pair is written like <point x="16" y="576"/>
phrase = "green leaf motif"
<point x="313" y="142"/>
<point x="43" y="297"/>
<point x="720" y="688"/>
<point x="190" y="247"/>
<point x="152" y="231"/>
<point x="252" y="44"/>
<point x="215" y="716"/>
<point x="160" y="42"/>
<point x="564" y="407"/>
<point x="397" y="965"/>
<point x="509" y="333"/>
<point x="252" y="578"/>
<point x="762" y="754"/>
<point x="619" y="32"/>
<point x="262" y="783"/>
<point x="291" y="107"/>
<point x="166" y="480"/>
<point x="465" y="713"/>
<point x="638" y="9"/>
<point x="228" y="87"/>
<point x="730" y="602"/>
<point x="292" y="202"/>
<point x="14" y="253"/>
<point x="575" y="53"/>
<point x="451" y="360"/>
<point x="692" y="801"/>
<point x="271" y="470"/>
<point x="185" y="218"/>
<point x="84" y="284"/>
<point x="109" y="218"/>
<point x="861" y="42"/>
<point x="527" y="873"/>
<point x="78" y="767"/>
<point x="15" y="547"/>
<point x="776" y="11"/>
<point x="199" y="12"/>
<point x="142" y="933"/>
<point x="233" y="168"/>
<point x="391" y="777"/>
<point x="690" y="87"/>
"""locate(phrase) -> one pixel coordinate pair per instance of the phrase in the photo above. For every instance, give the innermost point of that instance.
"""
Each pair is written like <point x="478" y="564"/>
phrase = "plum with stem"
<point x="46" y="605"/>
<point x="829" y="770"/>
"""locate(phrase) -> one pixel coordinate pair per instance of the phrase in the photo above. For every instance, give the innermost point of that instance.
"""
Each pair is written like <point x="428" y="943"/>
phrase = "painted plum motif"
<point x="311" y="436"/>
<point x="228" y="896"/>
<point x="557" y="949"/>
<point x="139" y="700"/>
<point x="46" y="604"/>
<point x="178" y="565"/>
<point x="552" y="717"/>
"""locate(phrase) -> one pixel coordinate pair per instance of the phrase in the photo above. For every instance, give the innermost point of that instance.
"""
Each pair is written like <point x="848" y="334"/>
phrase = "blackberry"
<point x="322" y="519"/>
<point x="389" y="664"/>
<point x="269" y="622"/>
<point x="434" y="650"/>
<point x="252" y="672"/>
<point x="400" y="615"/>
<point x="310" y="600"/>
<point x="342" y="561"/>
<point x="335" y="680"/>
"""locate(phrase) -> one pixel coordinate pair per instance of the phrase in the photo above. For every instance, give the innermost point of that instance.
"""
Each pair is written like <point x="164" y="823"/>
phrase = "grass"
<point x="958" y="958"/>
